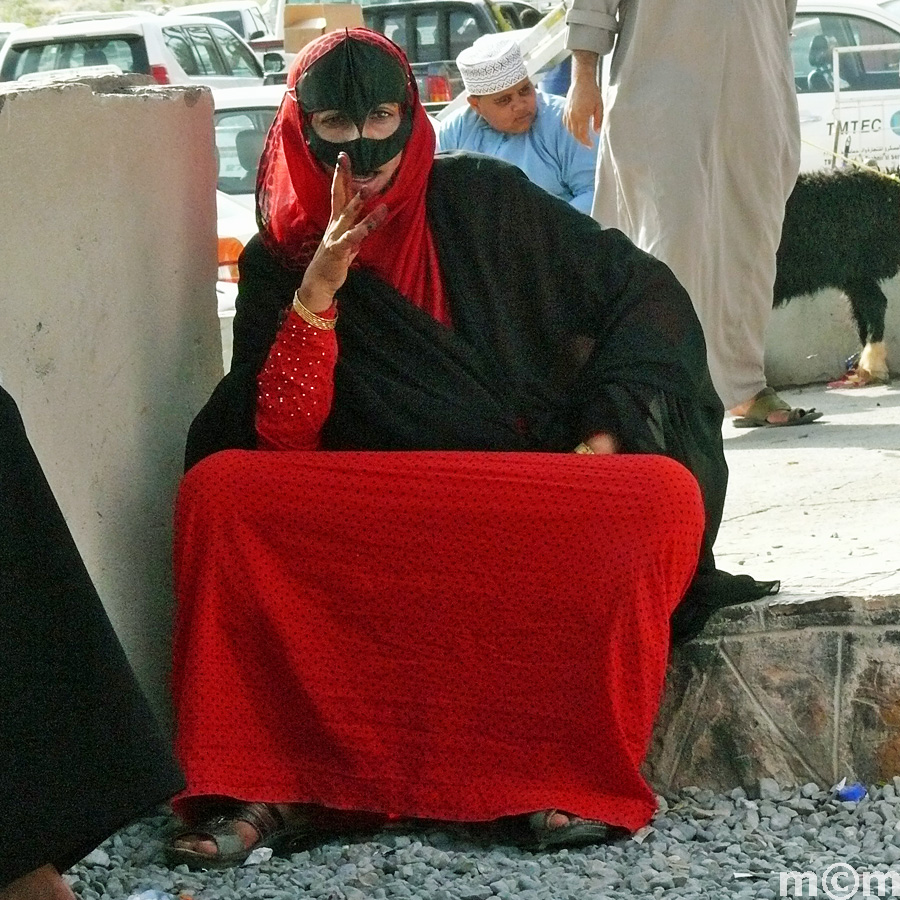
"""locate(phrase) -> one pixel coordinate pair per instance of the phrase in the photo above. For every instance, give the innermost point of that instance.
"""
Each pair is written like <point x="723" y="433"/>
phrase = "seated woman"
<point x="80" y="752"/>
<point x="407" y="625"/>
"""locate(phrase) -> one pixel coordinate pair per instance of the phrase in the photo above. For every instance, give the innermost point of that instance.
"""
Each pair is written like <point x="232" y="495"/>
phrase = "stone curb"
<point x="793" y="690"/>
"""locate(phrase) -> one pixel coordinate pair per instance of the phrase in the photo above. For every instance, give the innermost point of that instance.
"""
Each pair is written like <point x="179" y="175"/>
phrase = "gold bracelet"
<point x="311" y="318"/>
<point x="583" y="448"/>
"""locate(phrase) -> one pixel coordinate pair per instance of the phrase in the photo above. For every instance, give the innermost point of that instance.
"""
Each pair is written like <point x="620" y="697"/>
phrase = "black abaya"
<point x="560" y="329"/>
<point x="80" y="752"/>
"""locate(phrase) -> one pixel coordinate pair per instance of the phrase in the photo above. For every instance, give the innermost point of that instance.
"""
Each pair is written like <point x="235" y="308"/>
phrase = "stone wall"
<point x="798" y="691"/>
<point x="110" y="339"/>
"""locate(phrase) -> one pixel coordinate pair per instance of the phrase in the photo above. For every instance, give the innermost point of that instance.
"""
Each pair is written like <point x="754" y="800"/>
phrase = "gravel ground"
<point x="700" y="844"/>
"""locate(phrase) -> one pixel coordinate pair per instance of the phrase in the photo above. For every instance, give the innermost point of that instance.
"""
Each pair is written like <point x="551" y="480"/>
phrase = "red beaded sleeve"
<point x="296" y="385"/>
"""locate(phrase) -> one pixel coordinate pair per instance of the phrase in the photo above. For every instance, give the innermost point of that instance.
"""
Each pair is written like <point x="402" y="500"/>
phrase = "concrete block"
<point x="110" y="337"/>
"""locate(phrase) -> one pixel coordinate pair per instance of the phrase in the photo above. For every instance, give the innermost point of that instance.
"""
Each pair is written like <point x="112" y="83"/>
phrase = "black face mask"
<point x="355" y="77"/>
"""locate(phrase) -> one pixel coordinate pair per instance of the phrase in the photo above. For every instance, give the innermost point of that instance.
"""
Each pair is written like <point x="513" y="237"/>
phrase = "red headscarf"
<point x="294" y="193"/>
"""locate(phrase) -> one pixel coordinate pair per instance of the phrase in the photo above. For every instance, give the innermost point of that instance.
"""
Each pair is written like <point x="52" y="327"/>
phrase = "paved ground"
<point x="818" y="506"/>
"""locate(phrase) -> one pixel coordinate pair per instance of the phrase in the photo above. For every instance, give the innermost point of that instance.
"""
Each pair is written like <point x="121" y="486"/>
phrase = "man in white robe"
<point x="699" y="151"/>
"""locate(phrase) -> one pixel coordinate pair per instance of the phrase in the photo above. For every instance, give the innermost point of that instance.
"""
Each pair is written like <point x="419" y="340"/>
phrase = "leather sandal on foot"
<point x="270" y="825"/>
<point x="534" y="831"/>
<point x="765" y="403"/>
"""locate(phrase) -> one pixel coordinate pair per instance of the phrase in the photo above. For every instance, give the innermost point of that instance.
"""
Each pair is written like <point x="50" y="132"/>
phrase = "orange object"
<point x="230" y="250"/>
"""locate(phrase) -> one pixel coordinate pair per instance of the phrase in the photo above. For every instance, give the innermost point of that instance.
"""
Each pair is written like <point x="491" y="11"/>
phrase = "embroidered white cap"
<point x="492" y="64"/>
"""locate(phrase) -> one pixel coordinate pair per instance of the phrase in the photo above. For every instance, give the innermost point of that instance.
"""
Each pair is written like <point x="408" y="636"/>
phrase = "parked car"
<point x="244" y="16"/>
<point x="434" y="32"/>
<point x="861" y="120"/>
<point x="7" y="28"/>
<point x="172" y="49"/>
<point x="242" y="118"/>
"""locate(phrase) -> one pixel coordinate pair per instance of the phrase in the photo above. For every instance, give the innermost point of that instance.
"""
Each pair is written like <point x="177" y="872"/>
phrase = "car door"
<point x="241" y="63"/>
<point x="864" y="123"/>
<point x="213" y="55"/>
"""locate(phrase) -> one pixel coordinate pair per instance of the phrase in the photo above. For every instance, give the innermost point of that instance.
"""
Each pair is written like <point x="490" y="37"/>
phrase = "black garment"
<point x="80" y="753"/>
<point x="560" y="329"/>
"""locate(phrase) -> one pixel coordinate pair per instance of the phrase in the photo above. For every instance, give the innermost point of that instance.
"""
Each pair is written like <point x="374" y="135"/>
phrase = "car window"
<point x="128" y="52"/>
<point x="875" y="62"/>
<point x="463" y="31"/>
<point x="509" y="14"/>
<point x="259" y="23"/>
<point x="240" y="138"/>
<point x="428" y="48"/>
<point x="210" y="62"/>
<point x="813" y="39"/>
<point x="395" y="29"/>
<point x="238" y="58"/>
<point x="231" y="17"/>
<point x="183" y="50"/>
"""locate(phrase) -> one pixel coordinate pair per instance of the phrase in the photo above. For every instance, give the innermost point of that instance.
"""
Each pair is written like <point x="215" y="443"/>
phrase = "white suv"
<point x="244" y="16"/>
<point x="172" y="49"/>
<point x="853" y="113"/>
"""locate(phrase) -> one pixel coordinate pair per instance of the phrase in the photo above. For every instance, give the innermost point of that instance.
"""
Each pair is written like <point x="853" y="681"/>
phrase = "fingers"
<point x="577" y="124"/>
<point x="341" y="185"/>
<point x="597" y="118"/>
<point x="569" y="119"/>
<point x="353" y="237"/>
<point x="584" y="110"/>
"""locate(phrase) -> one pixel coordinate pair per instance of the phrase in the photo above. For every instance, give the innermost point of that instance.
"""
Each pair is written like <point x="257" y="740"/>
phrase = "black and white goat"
<point x="842" y="230"/>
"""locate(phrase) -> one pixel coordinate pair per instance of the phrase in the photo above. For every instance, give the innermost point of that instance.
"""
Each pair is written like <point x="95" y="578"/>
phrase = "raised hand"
<point x="343" y="237"/>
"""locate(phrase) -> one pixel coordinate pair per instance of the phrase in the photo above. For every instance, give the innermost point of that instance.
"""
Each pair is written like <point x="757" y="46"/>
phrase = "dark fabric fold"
<point x="80" y="752"/>
<point x="560" y="329"/>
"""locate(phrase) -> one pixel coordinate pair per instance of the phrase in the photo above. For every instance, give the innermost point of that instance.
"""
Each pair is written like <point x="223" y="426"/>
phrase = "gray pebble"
<point x="769" y="789"/>
<point x="699" y="839"/>
<point x="475" y="892"/>
<point x="98" y="857"/>
<point x="638" y="883"/>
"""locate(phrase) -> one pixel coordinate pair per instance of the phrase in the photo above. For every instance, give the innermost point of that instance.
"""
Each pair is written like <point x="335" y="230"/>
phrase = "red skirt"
<point x="455" y="636"/>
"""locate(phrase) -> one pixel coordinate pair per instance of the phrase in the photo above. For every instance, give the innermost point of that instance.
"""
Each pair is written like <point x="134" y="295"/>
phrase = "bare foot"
<point x="44" y="883"/>
<point x="224" y="837"/>
<point x="767" y="408"/>
<point x="603" y="443"/>
<point x="557" y="819"/>
<point x="775" y="417"/>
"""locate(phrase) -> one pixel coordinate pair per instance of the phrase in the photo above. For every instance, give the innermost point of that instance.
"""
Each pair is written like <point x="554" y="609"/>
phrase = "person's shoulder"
<point x="458" y="125"/>
<point x="552" y="103"/>
<point x="550" y="109"/>
<point x="255" y="250"/>
<point x="465" y="167"/>
<point x="462" y="181"/>
<point x="259" y="264"/>
<point x="464" y="113"/>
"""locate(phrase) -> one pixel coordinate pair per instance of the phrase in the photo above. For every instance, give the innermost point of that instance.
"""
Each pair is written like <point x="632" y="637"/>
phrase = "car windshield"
<point x="231" y="17"/>
<point x="127" y="52"/>
<point x="240" y="138"/>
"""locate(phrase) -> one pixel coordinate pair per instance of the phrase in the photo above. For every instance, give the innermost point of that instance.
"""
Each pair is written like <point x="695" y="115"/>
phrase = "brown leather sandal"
<point x="533" y="831"/>
<point x="270" y="825"/>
